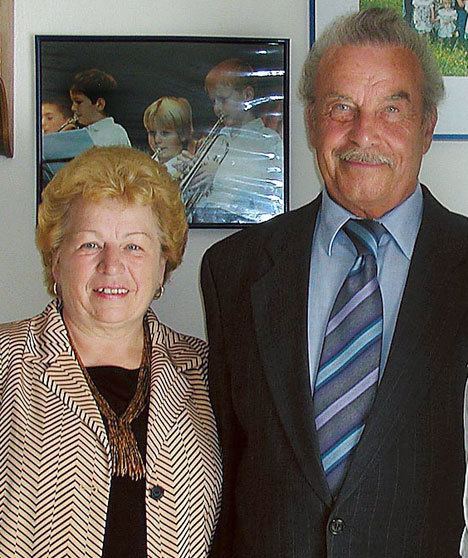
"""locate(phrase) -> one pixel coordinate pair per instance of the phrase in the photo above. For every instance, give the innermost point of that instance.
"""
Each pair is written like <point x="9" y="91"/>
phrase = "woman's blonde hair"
<point x="173" y="113"/>
<point x="120" y="173"/>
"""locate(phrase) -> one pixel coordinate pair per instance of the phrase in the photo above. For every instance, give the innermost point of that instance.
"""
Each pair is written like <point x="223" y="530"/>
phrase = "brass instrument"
<point x="192" y="198"/>
<point x="156" y="154"/>
<point x="73" y="120"/>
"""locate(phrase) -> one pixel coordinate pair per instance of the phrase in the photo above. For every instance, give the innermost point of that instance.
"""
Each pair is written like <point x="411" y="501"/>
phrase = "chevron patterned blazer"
<point x="55" y="468"/>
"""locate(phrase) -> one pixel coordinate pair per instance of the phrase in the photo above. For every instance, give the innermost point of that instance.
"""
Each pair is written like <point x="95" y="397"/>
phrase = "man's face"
<point x="367" y="126"/>
<point x="85" y="110"/>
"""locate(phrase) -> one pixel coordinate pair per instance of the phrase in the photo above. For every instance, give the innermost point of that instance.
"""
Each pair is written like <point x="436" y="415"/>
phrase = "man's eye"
<point x="393" y="109"/>
<point x="342" y="111"/>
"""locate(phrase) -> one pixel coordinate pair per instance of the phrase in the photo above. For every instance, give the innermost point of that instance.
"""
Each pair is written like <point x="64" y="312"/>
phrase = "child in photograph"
<point x="56" y="116"/>
<point x="446" y="19"/>
<point x="466" y="20"/>
<point x="461" y="7"/>
<point x="423" y="15"/>
<point x="247" y="186"/>
<point x="168" y="122"/>
<point x="91" y="94"/>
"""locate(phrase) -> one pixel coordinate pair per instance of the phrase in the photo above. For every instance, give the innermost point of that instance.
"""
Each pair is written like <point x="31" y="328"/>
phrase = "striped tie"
<point x="349" y="365"/>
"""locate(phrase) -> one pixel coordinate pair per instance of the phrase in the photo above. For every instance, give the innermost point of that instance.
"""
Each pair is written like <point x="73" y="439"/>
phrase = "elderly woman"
<point x="108" y="439"/>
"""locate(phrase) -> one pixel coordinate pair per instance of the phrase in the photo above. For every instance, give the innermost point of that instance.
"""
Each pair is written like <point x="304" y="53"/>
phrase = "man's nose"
<point x="364" y="130"/>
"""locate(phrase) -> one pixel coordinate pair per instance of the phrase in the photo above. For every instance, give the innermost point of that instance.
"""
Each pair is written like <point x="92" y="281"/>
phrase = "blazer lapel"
<point x="170" y="388"/>
<point x="279" y="302"/>
<point x="418" y="343"/>
<point x="52" y="354"/>
<point x="65" y="378"/>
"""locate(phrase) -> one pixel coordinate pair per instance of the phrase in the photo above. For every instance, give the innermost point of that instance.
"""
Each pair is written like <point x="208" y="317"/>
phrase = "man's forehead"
<point x="393" y="68"/>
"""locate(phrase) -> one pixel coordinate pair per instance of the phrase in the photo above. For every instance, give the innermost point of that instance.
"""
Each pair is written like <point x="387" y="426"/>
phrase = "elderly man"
<point x="334" y="371"/>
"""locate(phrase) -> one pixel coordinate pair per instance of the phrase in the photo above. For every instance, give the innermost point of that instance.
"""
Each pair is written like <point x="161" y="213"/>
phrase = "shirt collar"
<point x="402" y="222"/>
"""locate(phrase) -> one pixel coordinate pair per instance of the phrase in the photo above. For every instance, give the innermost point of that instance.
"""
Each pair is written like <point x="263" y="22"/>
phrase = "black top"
<point x="125" y="534"/>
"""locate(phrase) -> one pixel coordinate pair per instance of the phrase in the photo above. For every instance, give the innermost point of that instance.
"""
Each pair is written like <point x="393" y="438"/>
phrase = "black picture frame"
<point x="147" y="68"/>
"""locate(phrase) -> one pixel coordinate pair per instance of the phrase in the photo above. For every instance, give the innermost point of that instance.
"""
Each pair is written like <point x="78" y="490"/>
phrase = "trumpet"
<point x="192" y="198"/>
<point x="72" y="120"/>
<point x="156" y="154"/>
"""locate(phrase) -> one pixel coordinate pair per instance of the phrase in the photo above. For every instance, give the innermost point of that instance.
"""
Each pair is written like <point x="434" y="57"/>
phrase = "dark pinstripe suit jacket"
<point x="402" y="497"/>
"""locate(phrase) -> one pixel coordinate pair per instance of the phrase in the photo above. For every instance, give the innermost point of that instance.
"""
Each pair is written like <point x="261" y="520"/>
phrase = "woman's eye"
<point x="133" y="247"/>
<point x="89" y="245"/>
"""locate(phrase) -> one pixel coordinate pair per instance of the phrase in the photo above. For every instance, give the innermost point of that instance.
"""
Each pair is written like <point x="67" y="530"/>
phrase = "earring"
<point x="55" y="289"/>
<point x="159" y="293"/>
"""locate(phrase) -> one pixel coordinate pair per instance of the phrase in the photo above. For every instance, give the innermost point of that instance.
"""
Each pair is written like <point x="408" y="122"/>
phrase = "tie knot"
<point x="365" y="234"/>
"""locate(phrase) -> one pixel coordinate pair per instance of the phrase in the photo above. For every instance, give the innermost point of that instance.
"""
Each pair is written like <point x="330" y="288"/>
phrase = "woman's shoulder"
<point x="184" y="342"/>
<point x="180" y="345"/>
<point x="15" y="330"/>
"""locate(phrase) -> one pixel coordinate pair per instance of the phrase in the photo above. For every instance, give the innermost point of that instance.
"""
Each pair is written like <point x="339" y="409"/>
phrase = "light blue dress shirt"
<point x="333" y="255"/>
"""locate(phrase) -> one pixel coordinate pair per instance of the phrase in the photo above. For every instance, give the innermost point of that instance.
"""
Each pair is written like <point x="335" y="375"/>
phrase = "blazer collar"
<point x="172" y="361"/>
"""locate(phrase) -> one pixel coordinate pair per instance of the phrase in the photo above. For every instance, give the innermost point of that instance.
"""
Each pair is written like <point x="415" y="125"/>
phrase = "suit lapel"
<point x="279" y="302"/>
<point x="418" y="343"/>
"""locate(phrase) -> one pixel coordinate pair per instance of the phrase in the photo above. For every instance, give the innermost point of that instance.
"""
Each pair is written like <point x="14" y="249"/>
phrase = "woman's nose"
<point x="110" y="262"/>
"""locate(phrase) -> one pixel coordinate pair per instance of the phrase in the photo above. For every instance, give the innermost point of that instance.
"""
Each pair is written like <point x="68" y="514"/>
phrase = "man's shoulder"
<point x="440" y="220"/>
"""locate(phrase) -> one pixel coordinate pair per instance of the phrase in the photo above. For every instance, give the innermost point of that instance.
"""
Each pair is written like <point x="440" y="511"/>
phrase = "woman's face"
<point x="166" y="141"/>
<point x="109" y="264"/>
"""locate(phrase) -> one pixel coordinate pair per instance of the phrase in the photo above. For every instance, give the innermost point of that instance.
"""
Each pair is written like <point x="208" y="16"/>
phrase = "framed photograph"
<point x="445" y="24"/>
<point x="213" y="111"/>
<point x="6" y="77"/>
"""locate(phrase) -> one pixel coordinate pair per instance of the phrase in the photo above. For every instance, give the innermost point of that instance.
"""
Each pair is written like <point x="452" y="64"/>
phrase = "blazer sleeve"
<point x="230" y="434"/>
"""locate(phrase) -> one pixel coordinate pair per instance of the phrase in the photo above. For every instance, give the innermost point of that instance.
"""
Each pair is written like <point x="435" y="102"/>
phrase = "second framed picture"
<point x="213" y="111"/>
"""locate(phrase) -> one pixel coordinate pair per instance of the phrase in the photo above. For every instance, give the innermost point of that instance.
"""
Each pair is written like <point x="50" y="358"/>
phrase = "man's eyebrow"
<point x="400" y="95"/>
<point x="338" y="97"/>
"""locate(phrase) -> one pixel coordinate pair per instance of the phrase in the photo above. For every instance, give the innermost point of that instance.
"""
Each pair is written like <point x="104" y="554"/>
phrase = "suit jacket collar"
<point x="423" y="331"/>
<point x="279" y="301"/>
<point x="49" y="351"/>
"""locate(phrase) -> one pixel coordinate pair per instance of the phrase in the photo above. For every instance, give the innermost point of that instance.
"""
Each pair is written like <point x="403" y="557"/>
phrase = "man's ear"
<point x="100" y="104"/>
<point x="310" y="124"/>
<point x="429" y="125"/>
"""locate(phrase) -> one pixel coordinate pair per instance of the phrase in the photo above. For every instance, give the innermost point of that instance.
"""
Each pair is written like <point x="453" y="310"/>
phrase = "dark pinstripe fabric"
<point x="402" y="497"/>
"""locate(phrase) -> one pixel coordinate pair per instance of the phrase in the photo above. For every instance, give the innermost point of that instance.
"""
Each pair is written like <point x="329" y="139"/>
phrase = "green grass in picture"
<point x="452" y="56"/>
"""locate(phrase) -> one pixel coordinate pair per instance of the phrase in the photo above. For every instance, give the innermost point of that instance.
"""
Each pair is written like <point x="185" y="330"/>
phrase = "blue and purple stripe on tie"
<point x="348" y="372"/>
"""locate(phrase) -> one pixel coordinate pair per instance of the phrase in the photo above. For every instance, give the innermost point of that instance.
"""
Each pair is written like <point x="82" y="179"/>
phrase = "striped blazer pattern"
<point x="55" y="468"/>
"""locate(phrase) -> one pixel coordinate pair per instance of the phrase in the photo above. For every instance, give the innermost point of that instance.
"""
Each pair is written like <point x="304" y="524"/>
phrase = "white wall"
<point x="445" y="167"/>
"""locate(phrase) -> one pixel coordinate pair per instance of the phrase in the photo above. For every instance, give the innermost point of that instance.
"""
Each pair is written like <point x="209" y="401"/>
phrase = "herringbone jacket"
<point x="54" y="452"/>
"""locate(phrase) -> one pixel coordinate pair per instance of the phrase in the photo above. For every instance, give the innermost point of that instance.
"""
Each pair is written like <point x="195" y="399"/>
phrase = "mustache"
<point x="357" y="156"/>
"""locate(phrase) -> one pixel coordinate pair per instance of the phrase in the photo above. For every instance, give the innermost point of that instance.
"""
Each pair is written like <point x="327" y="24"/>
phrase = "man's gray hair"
<point x="379" y="26"/>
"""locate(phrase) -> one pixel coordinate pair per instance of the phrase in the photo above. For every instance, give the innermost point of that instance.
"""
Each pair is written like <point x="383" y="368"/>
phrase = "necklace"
<point x="125" y="455"/>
